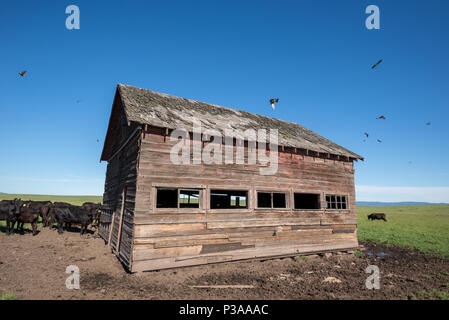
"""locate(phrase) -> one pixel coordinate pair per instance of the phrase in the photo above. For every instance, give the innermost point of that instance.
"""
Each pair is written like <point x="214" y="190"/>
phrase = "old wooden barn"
<point x="159" y="214"/>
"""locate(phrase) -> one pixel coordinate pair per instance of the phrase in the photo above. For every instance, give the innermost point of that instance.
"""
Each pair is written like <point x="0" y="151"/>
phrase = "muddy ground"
<point x="34" y="268"/>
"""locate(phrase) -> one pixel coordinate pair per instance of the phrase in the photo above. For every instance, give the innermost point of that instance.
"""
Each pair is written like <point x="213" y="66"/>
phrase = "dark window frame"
<point x="286" y="199"/>
<point x="318" y="201"/>
<point x="211" y="190"/>
<point x="178" y="202"/>
<point x="337" y="202"/>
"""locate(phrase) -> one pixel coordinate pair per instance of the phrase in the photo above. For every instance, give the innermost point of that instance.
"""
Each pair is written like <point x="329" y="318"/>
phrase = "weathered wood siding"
<point x="165" y="238"/>
<point x="116" y="223"/>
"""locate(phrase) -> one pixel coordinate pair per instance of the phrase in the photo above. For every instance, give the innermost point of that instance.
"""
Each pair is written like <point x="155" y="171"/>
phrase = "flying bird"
<point x="428" y="124"/>
<point x="98" y="140"/>
<point x="366" y="134"/>
<point x="381" y="117"/>
<point x="376" y="64"/>
<point x="22" y="74"/>
<point x="78" y="101"/>
<point x="273" y="101"/>
<point x="378" y="140"/>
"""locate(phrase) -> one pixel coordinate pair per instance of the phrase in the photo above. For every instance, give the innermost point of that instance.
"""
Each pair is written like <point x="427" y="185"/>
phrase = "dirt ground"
<point x="34" y="268"/>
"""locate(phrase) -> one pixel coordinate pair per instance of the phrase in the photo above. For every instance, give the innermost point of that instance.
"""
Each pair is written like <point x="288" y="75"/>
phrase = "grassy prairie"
<point x="424" y="227"/>
<point x="75" y="200"/>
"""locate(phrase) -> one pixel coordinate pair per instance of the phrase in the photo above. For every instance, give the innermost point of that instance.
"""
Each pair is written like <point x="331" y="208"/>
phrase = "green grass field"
<point x="75" y="200"/>
<point x="425" y="228"/>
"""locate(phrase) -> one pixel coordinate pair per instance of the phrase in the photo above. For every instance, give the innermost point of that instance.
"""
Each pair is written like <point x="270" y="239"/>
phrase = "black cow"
<point x="51" y="214"/>
<point x="73" y="215"/>
<point x="8" y="210"/>
<point x="377" y="216"/>
<point x="95" y="208"/>
<point x="28" y="213"/>
<point x="44" y="211"/>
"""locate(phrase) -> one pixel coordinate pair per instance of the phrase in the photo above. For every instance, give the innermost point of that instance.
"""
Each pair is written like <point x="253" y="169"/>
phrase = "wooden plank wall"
<point x="166" y="238"/>
<point x="121" y="174"/>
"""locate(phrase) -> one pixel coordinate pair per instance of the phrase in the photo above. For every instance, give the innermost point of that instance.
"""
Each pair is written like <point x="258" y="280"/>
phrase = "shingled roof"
<point x="167" y="111"/>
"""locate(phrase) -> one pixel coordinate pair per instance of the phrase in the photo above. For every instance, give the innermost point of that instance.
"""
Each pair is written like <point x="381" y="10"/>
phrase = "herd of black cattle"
<point x="64" y="214"/>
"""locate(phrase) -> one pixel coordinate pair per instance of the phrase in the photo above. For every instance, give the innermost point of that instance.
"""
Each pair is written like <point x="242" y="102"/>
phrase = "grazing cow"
<point x="73" y="215"/>
<point x="44" y="211"/>
<point x="28" y="213"/>
<point x="377" y="216"/>
<point x="8" y="209"/>
<point x="51" y="217"/>
<point x="95" y="208"/>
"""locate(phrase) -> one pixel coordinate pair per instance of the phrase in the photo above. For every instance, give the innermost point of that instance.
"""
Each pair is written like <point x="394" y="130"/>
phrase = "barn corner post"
<point x="160" y="214"/>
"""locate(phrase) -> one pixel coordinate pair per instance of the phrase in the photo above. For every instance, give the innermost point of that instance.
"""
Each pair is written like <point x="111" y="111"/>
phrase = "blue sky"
<point x="314" y="55"/>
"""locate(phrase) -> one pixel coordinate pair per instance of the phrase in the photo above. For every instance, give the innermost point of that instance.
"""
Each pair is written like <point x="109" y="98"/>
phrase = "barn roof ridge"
<point x="165" y="110"/>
